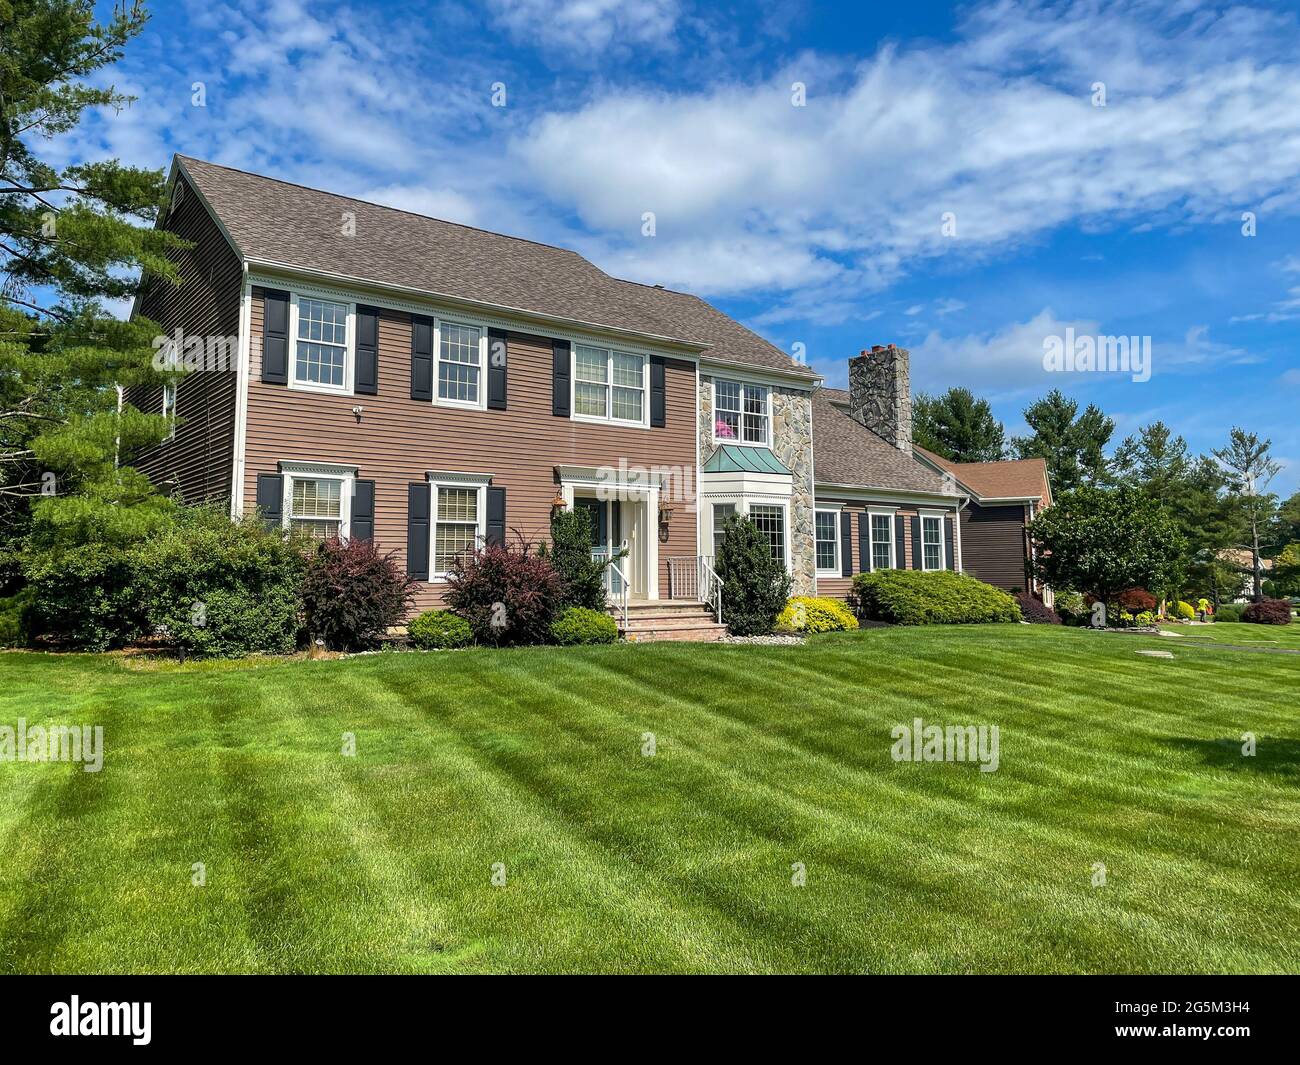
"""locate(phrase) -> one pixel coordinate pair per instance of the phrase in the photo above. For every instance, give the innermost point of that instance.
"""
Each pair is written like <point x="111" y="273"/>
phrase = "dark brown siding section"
<point x="199" y="459"/>
<point x="398" y="439"/>
<point x="838" y="587"/>
<point x="993" y="544"/>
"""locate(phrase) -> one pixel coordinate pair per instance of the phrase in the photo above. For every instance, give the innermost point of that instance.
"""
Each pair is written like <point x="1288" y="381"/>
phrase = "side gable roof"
<point x="848" y="453"/>
<point x="276" y="222"/>
<point x="1009" y="479"/>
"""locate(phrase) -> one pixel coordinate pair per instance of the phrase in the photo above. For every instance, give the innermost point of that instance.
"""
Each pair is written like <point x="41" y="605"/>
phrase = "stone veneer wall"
<point x="793" y="447"/>
<point x="880" y="394"/>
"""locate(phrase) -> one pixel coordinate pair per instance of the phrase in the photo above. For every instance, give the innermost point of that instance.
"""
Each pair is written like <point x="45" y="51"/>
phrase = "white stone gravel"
<point x="773" y="638"/>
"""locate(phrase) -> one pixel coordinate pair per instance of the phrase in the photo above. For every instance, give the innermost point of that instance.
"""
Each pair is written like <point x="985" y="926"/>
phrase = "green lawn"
<point x="766" y="756"/>
<point x="1244" y="634"/>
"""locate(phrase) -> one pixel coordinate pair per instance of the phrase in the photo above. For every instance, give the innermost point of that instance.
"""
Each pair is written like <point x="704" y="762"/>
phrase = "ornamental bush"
<point x="83" y="597"/>
<point x="806" y="613"/>
<point x="509" y="595"/>
<point x="578" y="625"/>
<point x="439" y="630"/>
<point x="755" y="585"/>
<point x="1229" y="612"/>
<point x="352" y="595"/>
<point x="1268" y="612"/>
<point x="216" y="587"/>
<point x="1037" y="612"/>
<point x="912" y="597"/>
<point x="1185" y="611"/>
<point x="582" y="578"/>
<point x="1136" y="600"/>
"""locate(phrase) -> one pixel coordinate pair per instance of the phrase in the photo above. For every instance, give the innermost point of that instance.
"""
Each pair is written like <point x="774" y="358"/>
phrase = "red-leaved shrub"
<point x="508" y="595"/>
<point x="1268" y="612"/>
<point x="1035" y="611"/>
<point x="1136" y="600"/>
<point x="352" y="595"/>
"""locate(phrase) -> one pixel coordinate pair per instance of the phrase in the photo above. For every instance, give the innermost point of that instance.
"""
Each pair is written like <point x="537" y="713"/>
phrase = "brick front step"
<point x="649" y="622"/>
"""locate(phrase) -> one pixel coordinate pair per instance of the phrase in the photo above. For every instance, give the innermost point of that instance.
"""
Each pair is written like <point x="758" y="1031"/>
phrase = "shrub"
<point x="582" y="578"/>
<point x="439" y="629"/>
<point x="911" y="597"/>
<point x="578" y="625"/>
<point x="1070" y="607"/>
<point x="352" y="594"/>
<point x="83" y="597"/>
<point x="1268" y="612"/>
<point x="1136" y="600"/>
<point x="755" y="585"/>
<point x="508" y="595"/>
<point x="1036" y="612"/>
<point x="216" y="587"/>
<point x="1185" y="611"/>
<point x="1229" y="612"/>
<point x="15" y="612"/>
<point x="805" y="613"/>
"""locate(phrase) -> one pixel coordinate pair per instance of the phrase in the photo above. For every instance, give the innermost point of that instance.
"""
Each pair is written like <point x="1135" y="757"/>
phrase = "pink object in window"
<point x="722" y="430"/>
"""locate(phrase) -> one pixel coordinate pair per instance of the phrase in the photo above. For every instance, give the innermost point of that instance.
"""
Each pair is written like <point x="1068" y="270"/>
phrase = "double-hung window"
<point x="931" y="541"/>
<point x="320" y="357"/>
<point x="828" y="541"/>
<point x="770" y="520"/>
<point x="458" y="523"/>
<point x="740" y="412"/>
<point x="609" y="384"/>
<point x="316" y="505"/>
<point x="882" y="541"/>
<point x="460" y="363"/>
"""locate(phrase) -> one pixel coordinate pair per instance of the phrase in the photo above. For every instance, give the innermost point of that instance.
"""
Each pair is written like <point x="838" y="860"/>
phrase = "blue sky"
<point x="819" y="225"/>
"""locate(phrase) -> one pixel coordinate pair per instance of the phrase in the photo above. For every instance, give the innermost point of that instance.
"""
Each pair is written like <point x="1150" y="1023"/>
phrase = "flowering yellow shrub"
<point x="806" y="613"/>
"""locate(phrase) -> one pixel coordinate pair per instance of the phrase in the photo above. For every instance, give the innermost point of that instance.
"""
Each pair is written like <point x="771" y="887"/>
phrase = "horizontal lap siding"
<point x="993" y="544"/>
<point x="399" y="439"/>
<point x="206" y="304"/>
<point x="838" y="587"/>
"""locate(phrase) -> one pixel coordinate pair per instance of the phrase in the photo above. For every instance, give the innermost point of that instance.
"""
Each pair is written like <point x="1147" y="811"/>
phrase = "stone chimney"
<point x="880" y="394"/>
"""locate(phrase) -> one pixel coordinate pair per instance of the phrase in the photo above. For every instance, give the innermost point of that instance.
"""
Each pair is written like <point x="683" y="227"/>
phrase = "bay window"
<point x="770" y="520"/>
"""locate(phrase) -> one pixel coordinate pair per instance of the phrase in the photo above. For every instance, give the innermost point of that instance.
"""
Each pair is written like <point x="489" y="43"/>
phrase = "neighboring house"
<point x="1002" y="498"/>
<point x="1242" y="562"/>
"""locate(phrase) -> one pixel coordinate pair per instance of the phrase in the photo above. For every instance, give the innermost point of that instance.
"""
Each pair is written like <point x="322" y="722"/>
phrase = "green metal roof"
<point x="735" y="458"/>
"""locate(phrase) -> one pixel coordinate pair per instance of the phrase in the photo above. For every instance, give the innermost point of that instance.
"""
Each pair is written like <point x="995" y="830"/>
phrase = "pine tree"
<point x="1073" y="444"/>
<point x="1251" y="467"/>
<point x="958" y="427"/>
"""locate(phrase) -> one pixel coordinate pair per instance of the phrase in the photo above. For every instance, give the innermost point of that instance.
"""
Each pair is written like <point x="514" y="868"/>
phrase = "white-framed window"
<point x="932" y="541"/>
<point x="609" y="385"/>
<point x="741" y="413"/>
<point x="721" y="512"/>
<point x="461" y="350"/>
<point x="458" y="514"/>
<point x="882" y="539"/>
<point x="828" y="541"/>
<point x="770" y="519"/>
<point x="320" y="331"/>
<point x="169" y="408"/>
<point x="318" y="499"/>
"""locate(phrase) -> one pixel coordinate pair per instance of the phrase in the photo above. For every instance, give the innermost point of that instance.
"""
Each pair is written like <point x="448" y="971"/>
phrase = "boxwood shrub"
<point x="911" y="597"/>
<point x="806" y="613"/>
<point x="439" y="629"/>
<point x="580" y="625"/>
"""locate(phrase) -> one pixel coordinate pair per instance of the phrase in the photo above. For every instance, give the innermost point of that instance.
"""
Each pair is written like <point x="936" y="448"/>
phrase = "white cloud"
<point x="595" y="26"/>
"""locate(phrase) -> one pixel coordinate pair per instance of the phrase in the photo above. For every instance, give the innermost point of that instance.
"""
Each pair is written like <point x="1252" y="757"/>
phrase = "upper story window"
<point x="828" y="541"/>
<point x="740" y="412"/>
<point x="320" y="356"/>
<point x="169" y="408"/>
<point x="460" y="363"/>
<point x="609" y="384"/>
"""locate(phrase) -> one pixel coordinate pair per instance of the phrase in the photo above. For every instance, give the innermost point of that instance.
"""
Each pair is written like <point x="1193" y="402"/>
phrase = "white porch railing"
<point x="615" y="581"/>
<point x="692" y="577"/>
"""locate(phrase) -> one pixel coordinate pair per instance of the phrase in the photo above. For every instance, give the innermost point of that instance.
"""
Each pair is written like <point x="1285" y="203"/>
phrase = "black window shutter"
<point x="947" y="540"/>
<point x="918" y="559"/>
<point x="367" y="369"/>
<point x="270" y="499"/>
<point x="496" y="516"/>
<point x="846" y="545"/>
<point x="658" y="392"/>
<point x="421" y="358"/>
<point x="497" y="359"/>
<point x="900" y="531"/>
<point x="275" y="337"/>
<point x="363" y="511"/>
<point x="417" y="530"/>
<point x="560" y="378"/>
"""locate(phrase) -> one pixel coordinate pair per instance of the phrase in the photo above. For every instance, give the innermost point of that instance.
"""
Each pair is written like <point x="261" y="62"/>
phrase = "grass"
<point x="1244" y="634"/>
<point x="680" y="862"/>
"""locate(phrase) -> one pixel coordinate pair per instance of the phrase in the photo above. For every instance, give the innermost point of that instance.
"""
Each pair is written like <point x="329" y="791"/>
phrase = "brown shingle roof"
<point x="298" y="227"/>
<point x="1011" y="479"/>
<point x="847" y="452"/>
